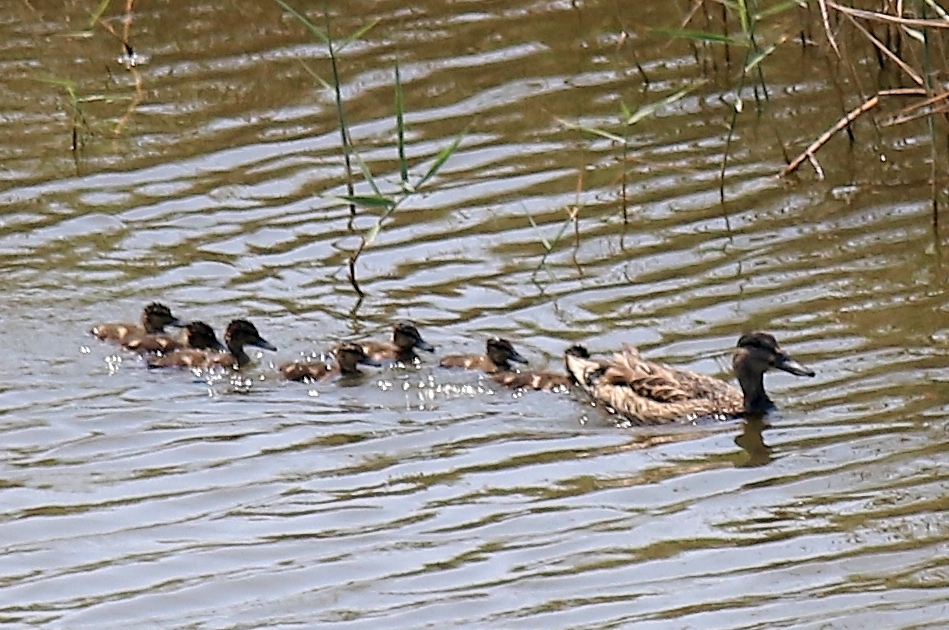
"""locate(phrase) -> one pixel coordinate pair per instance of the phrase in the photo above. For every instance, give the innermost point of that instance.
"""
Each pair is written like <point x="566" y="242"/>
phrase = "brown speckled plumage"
<point x="405" y="340"/>
<point x="155" y="317"/>
<point x="239" y="333"/>
<point x="531" y="379"/>
<point x="348" y="358"/>
<point x="652" y="393"/>
<point x="498" y="357"/>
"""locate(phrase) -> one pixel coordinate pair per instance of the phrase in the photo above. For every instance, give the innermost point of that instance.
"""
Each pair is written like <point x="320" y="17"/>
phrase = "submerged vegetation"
<point x="887" y="63"/>
<point x="908" y="49"/>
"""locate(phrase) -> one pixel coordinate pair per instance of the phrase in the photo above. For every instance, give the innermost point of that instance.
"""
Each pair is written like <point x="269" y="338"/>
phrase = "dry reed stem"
<point x="889" y="54"/>
<point x="903" y="116"/>
<point x="825" y="18"/>
<point x="883" y="17"/>
<point x="811" y="150"/>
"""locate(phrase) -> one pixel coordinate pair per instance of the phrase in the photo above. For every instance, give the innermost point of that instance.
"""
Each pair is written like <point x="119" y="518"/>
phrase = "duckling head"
<point x="501" y="351"/>
<point x="241" y="332"/>
<point x="156" y="316"/>
<point x="406" y="336"/>
<point x="201" y="336"/>
<point x="349" y="355"/>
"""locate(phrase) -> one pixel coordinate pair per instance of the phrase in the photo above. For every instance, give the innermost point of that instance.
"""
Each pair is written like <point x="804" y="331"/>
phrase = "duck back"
<point x="652" y="393"/>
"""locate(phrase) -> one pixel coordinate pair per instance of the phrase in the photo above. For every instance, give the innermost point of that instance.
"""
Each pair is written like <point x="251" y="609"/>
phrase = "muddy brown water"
<point x="209" y="178"/>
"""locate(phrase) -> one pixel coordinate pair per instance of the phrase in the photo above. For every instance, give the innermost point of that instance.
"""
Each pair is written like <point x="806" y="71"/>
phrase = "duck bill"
<point x="790" y="365"/>
<point x="424" y="345"/>
<point x="516" y="358"/>
<point x="263" y="343"/>
<point x="176" y="323"/>
<point x="217" y="345"/>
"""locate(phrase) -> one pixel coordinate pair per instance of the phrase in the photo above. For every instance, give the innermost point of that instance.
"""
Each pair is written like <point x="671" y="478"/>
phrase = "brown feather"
<point x="652" y="393"/>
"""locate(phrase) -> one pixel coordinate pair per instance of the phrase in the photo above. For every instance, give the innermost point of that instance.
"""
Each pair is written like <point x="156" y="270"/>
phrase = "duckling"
<point x="348" y="358"/>
<point x="197" y="335"/>
<point x="155" y="317"/>
<point x="239" y="333"/>
<point x="405" y="339"/>
<point x="533" y="379"/>
<point x="498" y="357"/>
<point x="540" y="380"/>
<point x="652" y="393"/>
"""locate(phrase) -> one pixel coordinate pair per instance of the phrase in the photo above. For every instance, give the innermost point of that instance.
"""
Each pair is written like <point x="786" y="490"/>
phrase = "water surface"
<point x="208" y="177"/>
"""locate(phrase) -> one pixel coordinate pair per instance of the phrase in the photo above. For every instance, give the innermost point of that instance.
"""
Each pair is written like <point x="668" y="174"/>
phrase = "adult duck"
<point x="155" y="317"/>
<point x="405" y="340"/>
<point x="239" y="333"/>
<point x="349" y="356"/>
<point x="652" y="393"/>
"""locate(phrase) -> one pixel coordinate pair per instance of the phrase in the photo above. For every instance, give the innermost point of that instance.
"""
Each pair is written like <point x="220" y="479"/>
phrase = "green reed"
<point x="385" y="203"/>
<point x="626" y="120"/>
<point x="78" y="123"/>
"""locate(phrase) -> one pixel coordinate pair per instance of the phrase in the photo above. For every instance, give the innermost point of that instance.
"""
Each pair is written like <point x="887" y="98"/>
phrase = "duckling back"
<point x="195" y="359"/>
<point x="469" y="362"/>
<point x="197" y="335"/>
<point x="301" y="371"/>
<point x="536" y="380"/>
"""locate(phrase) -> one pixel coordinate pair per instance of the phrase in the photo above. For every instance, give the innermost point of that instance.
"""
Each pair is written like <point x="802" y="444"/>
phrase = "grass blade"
<point x="443" y="156"/>
<point x="400" y="126"/>
<point x="367" y="174"/>
<point x="648" y="110"/>
<point x="700" y="36"/>
<point x="94" y="17"/>
<point x="358" y="34"/>
<point x="310" y="26"/>
<point x="369" y="201"/>
<point x="591" y="130"/>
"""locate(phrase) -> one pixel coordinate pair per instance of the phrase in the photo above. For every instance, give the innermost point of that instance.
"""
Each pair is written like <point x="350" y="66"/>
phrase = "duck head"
<point x="241" y="332"/>
<point x="406" y="336"/>
<point x="501" y="352"/>
<point x="757" y="353"/>
<point x="156" y="316"/>
<point x="201" y="336"/>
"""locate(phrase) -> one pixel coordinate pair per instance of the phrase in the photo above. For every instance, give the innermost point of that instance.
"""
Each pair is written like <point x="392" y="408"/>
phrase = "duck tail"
<point x="579" y="365"/>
